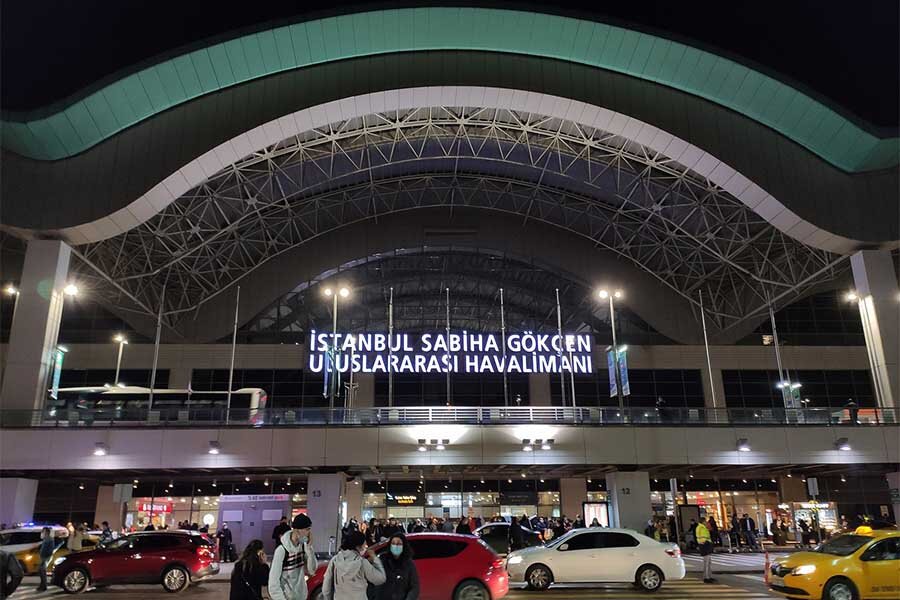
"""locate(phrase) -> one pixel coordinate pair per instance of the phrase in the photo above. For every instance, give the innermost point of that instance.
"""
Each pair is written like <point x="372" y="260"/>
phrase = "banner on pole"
<point x="611" y="369"/>
<point x="623" y="373"/>
<point x="59" y="354"/>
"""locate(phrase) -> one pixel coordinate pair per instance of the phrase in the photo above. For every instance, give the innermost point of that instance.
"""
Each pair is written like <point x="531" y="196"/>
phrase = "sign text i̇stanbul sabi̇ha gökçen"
<point x="461" y="352"/>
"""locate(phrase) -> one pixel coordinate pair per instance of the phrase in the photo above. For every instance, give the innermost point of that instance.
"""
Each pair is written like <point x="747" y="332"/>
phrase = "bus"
<point x="133" y="404"/>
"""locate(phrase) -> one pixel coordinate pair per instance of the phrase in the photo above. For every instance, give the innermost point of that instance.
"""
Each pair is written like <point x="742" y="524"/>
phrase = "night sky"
<point x="848" y="52"/>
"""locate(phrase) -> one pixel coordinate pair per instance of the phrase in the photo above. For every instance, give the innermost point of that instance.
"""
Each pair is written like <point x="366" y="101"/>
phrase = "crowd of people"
<point x="355" y="572"/>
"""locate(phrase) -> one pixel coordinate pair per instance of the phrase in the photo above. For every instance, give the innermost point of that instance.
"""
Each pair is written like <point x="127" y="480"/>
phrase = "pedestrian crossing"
<point x="731" y="562"/>
<point x="689" y="588"/>
<point x="686" y="589"/>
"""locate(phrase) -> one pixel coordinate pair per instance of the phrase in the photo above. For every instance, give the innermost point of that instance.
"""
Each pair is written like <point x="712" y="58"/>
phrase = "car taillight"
<point x="673" y="552"/>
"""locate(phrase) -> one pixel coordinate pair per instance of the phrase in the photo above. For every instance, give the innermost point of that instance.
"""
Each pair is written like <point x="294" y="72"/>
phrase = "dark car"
<point x="172" y="559"/>
<point x="496" y="535"/>
<point x="450" y="567"/>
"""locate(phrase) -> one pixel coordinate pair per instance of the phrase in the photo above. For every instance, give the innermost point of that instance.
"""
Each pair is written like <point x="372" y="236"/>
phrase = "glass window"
<point x="585" y="541"/>
<point x="843" y="545"/>
<point x="884" y="550"/>
<point x="616" y="540"/>
<point x="424" y="549"/>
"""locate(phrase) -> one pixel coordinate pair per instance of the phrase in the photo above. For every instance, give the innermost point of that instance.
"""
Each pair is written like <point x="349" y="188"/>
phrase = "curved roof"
<point x="84" y="122"/>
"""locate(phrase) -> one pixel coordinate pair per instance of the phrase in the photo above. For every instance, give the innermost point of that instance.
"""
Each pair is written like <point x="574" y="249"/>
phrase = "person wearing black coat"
<point x="11" y="574"/>
<point x="516" y="535"/>
<point x="250" y="574"/>
<point x="401" y="578"/>
<point x="463" y="527"/>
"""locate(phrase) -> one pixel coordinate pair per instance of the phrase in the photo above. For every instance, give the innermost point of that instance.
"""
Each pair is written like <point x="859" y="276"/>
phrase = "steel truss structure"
<point x="419" y="278"/>
<point x="688" y="233"/>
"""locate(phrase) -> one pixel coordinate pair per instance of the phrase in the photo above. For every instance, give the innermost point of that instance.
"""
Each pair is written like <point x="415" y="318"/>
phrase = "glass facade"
<point x="466" y="390"/>
<point x="285" y="387"/>
<point x="98" y="377"/>
<point x="831" y="389"/>
<point x="678" y="388"/>
<point x="408" y="500"/>
<point x="825" y="319"/>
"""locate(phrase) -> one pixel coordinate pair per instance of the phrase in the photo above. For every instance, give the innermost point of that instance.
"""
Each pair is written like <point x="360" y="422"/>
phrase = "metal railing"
<point x="481" y="415"/>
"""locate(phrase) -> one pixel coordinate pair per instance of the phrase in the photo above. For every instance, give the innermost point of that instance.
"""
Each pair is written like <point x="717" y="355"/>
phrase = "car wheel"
<point x="471" y="590"/>
<point x="76" y="581"/>
<point x="175" y="579"/>
<point x="649" y="578"/>
<point x="538" y="577"/>
<point x="840" y="589"/>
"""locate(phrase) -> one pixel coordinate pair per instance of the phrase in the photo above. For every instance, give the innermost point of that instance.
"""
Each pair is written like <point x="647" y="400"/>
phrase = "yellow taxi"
<point x="854" y="566"/>
<point x="24" y="543"/>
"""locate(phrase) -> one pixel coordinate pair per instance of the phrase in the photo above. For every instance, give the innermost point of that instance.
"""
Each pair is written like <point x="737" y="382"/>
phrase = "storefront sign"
<point x="518" y="498"/>
<point x="157" y="508"/>
<point x="461" y="352"/>
<point x="404" y="499"/>
<point x="256" y="498"/>
<point x="814" y="505"/>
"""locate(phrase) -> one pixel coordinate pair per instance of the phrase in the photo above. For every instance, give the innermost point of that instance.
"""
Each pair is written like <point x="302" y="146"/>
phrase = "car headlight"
<point x="514" y="560"/>
<point x="59" y="561"/>
<point x="804" y="570"/>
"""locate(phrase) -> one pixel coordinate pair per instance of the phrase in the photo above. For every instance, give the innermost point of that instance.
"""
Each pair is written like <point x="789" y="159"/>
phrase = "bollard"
<point x="766" y="576"/>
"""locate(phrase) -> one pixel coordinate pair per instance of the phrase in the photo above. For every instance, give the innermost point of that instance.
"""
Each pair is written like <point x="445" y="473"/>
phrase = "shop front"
<point x="168" y="512"/>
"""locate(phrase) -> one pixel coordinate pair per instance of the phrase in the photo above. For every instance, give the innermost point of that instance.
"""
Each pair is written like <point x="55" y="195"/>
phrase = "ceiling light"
<point x="11" y="290"/>
<point x="71" y="290"/>
<point x="135" y="481"/>
<point x="214" y="483"/>
<point x="266" y="482"/>
<point x="509" y="481"/>
<point x="527" y="448"/>
<point x="589" y="480"/>
<point x="743" y="445"/>
<point x="246" y="478"/>
<point x="789" y="475"/>
<point x="851" y="296"/>
<point x="523" y="475"/>
<point x="843" y="444"/>
<point x="328" y="292"/>
<point x="344" y="292"/>
<point x="214" y="447"/>
<point x="288" y="482"/>
<point x="80" y="486"/>
<point x="603" y="294"/>
<point x="101" y="449"/>
<point x="617" y="294"/>
<point x="843" y="479"/>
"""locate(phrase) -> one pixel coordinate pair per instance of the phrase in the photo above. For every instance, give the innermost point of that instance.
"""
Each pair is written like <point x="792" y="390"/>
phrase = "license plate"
<point x="776" y="580"/>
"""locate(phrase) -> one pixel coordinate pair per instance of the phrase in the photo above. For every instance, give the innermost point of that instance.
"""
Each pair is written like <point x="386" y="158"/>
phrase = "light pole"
<point x="606" y="295"/>
<point x="343" y="292"/>
<point x="121" y="340"/>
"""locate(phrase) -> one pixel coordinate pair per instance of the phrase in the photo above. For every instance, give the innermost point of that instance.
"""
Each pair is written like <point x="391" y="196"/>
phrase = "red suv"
<point x="174" y="559"/>
<point x="450" y="566"/>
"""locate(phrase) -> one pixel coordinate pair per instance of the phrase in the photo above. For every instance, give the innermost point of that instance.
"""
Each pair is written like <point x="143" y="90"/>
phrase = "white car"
<point x="597" y="555"/>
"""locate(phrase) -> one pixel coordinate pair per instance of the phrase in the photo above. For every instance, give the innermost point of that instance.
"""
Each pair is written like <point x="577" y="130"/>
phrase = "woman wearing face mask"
<point x="351" y="570"/>
<point x="401" y="577"/>
<point x="250" y="574"/>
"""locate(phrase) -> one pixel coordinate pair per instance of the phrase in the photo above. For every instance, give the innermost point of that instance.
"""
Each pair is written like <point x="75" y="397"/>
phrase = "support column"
<point x="538" y="393"/>
<point x="365" y="393"/>
<point x="876" y="287"/>
<point x="110" y="504"/>
<point x="179" y="379"/>
<point x="629" y="499"/>
<point x="35" y="326"/>
<point x="325" y="496"/>
<point x="572" y="492"/>
<point x="354" y="499"/>
<point x="17" y="497"/>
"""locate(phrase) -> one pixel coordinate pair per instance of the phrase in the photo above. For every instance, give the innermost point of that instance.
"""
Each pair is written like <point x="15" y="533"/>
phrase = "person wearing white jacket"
<point x="293" y="562"/>
<point x="348" y="574"/>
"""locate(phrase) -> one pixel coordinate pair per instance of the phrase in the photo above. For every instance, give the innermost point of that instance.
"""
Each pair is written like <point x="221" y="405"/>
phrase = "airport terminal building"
<point x="447" y="261"/>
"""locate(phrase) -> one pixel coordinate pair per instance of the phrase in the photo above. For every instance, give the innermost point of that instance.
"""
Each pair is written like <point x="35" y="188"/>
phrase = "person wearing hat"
<point x="293" y="561"/>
